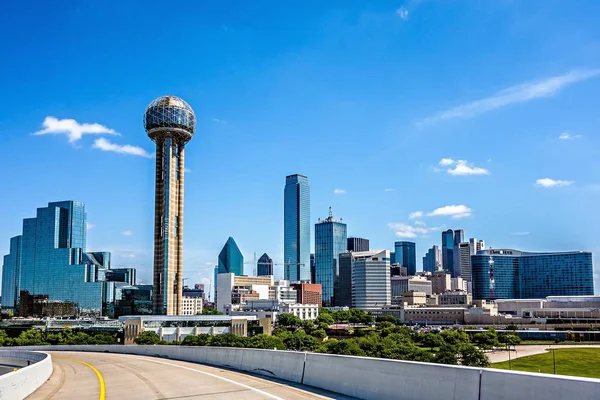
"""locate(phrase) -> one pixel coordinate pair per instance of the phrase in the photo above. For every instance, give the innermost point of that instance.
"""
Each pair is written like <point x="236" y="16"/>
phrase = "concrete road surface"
<point x="80" y="376"/>
<point x="532" y="349"/>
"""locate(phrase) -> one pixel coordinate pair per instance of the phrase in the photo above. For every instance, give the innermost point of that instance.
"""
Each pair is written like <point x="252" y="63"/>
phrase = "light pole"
<point x="554" y="361"/>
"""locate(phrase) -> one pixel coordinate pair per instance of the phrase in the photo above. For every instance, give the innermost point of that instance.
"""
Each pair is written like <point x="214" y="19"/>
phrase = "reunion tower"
<point x="170" y="122"/>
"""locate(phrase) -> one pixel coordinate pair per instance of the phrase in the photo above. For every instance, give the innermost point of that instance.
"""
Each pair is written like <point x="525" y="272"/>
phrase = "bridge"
<point x="177" y="372"/>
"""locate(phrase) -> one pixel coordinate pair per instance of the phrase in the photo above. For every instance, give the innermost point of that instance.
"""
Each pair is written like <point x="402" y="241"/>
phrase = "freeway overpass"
<point x="178" y="372"/>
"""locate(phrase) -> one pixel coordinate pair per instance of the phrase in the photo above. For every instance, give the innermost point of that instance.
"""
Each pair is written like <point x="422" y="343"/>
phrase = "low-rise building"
<point x="455" y="298"/>
<point x="440" y="282"/>
<point x="412" y="298"/>
<point x="308" y="293"/>
<point x="434" y="315"/>
<point x="191" y="305"/>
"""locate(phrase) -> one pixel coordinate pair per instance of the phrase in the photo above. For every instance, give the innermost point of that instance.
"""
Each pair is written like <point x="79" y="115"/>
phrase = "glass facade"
<point x="48" y="272"/>
<point x="296" y="226"/>
<point x="231" y="259"/>
<point x="330" y="240"/>
<point x="432" y="259"/>
<point x="512" y="274"/>
<point x="371" y="282"/>
<point x="342" y="288"/>
<point x="358" y="244"/>
<point x="450" y="242"/>
<point x="406" y="255"/>
<point x="264" y="265"/>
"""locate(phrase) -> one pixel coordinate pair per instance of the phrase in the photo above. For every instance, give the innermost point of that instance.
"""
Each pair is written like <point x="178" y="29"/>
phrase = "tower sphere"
<point x="170" y="116"/>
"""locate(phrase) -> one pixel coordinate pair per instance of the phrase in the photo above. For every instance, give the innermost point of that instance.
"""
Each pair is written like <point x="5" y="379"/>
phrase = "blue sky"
<point x="454" y="109"/>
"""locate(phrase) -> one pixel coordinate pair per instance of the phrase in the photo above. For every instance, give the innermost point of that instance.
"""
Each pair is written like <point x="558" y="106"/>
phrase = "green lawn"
<point x="575" y="362"/>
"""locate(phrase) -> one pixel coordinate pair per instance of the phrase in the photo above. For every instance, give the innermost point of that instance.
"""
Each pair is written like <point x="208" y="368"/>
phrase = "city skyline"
<point x="538" y="144"/>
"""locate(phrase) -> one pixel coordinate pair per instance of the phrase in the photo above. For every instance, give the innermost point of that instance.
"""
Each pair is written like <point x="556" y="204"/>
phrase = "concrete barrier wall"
<point x="371" y="378"/>
<point x="513" y="385"/>
<point x="26" y="380"/>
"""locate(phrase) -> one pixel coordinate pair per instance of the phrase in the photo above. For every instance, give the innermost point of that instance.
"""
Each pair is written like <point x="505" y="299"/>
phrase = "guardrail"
<point x="372" y="378"/>
<point x="24" y="381"/>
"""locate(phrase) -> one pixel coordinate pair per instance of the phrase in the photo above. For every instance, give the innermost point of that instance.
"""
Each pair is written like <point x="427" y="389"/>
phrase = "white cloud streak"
<point x="421" y="223"/>
<point x="416" y="214"/>
<point x="389" y="190"/>
<point x="89" y="226"/>
<point x="402" y="12"/>
<point x="408" y="231"/>
<point x="105" y="145"/>
<point x="72" y="129"/>
<point x="568" y="135"/>
<point x="461" y="167"/>
<point x="127" y="233"/>
<point x="521" y="233"/>
<point x="339" y="191"/>
<point x="515" y="94"/>
<point x="547" y="182"/>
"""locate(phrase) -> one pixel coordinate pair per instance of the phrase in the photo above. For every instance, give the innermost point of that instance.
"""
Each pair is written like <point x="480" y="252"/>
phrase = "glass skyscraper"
<point x="231" y="259"/>
<point x="512" y="274"/>
<point x="296" y="226"/>
<point x="330" y="240"/>
<point x="432" y="259"/>
<point x="264" y="265"/>
<point x="406" y="255"/>
<point x="47" y="264"/>
<point x="450" y="243"/>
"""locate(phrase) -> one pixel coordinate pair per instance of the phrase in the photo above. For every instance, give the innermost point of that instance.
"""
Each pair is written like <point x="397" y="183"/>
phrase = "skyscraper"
<point x="170" y="122"/>
<point x="330" y="241"/>
<point x="432" y="259"/>
<point x="47" y="265"/>
<point x="459" y="237"/>
<point x="264" y="266"/>
<point x="448" y="250"/>
<point x="342" y="288"/>
<point x="296" y="226"/>
<point x="406" y="255"/>
<point x="358" y="244"/>
<point x="513" y="274"/>
<point x="231" y="259"/>
<point x="371" y="282"/>
<point x="464" y="259"/>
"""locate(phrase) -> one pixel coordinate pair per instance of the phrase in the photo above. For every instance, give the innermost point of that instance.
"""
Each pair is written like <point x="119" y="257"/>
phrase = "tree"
<point x="197" y="340"/>
<point x="432" y="340"/>
<point x="486" y="340"/>
<point x="319" y="333"/>
<point x="358" y="316"/>
<point x="288" y="320"/>
<point x="229" y="340"/>
<point x="148" y="337"/>
<point x="31" y="337"/>
<point x="324" y="318"/>
<point x="472" y="356"/>
<point x="4" y="339"/>
<point x="211" y="311"/>
<point x="509" y="339"/>
<point x="267" y="342"/>
<point x="454" y="337"/>
<point x="300" y="341"/>
<point x="446" y="355"/>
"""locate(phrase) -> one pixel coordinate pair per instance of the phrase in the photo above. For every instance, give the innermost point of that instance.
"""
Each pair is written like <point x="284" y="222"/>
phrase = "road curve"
<point x="117" y="376"/>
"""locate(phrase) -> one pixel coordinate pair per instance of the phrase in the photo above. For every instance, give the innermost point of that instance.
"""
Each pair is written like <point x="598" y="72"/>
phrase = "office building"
<point x="131" y="300"/>
<point x="514" y="274"/>
<point x="330" y="241"/>
<point x="450" y="242"/>
<point x="313" y="279"/>
<point x="308" y="293"/>
<point x="401" y="284"/>
<point x="170" y="122"/>
<point x="191" y="305"/>
<point x="233" y="289"/>
<point x="440" y="282"/>
<point x="458" y="283"/>
<point x="197" y="291"/>
<point x="296" y="227"/>
<point x="455" y="298"/>
<point x="342" y="288"/>
<point x="398" y="270"/>
<point x="465" y="250"/>
<point x="432" y="261"/>
<point x="48" y="272"/>
<point x="264" y="265"/>
<point x="231" y="259"/>
<point x="283" y="292"/>
<point x="358" y="244"/>
<point x="406" y="256"/>
<point x="371" y="286"/>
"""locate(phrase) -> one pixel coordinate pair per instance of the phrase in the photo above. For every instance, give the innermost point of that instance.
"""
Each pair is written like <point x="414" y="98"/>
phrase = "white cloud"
<point x="568" y="135"/>
<point x="72" y="129"/>
<point x="444" y="162"/>
<point x="219" y="121"/>
<point x="402" y="12"/>
<point x="127" y="233"/>
<point x="89" y="226"/>
<point x="187" y="170"/>
<point x="127" y="254"/>
<point x="463" y="168"/>
<point x="515" y="94"/>
<point x="416" y="214"/>
<point x="520" y="233"/>
<point x="389" y="190"/>
<point x="420" y="223"/>
<point x="105" y="145"/>
<point x="408" y="231"/>
<point x="547" y="182"/>
<point x="339" y="191"/>
<point x="454" y="211"/>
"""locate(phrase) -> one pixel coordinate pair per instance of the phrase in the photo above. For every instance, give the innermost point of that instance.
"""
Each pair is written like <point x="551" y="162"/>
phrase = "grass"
<point x="574" y="362"/>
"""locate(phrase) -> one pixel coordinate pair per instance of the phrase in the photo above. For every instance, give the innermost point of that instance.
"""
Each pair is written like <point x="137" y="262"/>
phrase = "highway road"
<point x="103" y="376"/>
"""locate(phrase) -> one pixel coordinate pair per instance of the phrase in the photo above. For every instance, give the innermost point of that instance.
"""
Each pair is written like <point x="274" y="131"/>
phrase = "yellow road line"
<point x="102" y="395"/>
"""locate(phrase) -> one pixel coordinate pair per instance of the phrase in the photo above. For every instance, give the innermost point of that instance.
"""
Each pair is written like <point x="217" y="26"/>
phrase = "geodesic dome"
<point x="170" y="116"/>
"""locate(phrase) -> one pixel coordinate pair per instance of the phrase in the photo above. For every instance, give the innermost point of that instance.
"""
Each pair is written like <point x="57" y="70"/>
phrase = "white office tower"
<point x="371" y="286"/>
